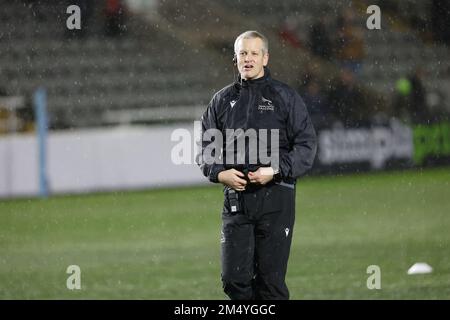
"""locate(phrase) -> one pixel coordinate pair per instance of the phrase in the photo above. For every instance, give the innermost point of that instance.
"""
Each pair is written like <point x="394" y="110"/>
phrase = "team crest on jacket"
<point x="266" y="105"/>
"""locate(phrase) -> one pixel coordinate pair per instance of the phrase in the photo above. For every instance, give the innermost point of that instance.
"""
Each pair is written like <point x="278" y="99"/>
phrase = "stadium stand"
<point x="392" y="52"/>
<point x="88" y="78"/>
<point x="163" y="69"/>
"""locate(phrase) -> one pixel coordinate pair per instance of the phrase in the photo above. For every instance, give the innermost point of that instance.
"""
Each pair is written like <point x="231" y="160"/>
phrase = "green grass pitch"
<point x="165" y="244"/>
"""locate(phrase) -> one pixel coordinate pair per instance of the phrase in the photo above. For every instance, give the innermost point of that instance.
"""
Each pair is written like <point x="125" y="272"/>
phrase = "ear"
<point x="265" y="59"/>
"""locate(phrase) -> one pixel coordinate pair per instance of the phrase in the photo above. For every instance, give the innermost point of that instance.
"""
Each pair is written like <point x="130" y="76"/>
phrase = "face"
<point x="251" y="59"/>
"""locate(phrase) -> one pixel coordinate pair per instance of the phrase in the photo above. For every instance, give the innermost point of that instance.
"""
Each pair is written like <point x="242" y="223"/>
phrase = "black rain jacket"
<point x="263" y="103"/>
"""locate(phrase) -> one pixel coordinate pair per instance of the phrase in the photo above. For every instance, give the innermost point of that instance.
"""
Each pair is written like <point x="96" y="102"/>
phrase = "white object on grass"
<point x="420" y="268"/>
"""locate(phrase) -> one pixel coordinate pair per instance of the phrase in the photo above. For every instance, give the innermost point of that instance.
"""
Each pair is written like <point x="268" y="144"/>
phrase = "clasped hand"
<point x="236" y="179"/>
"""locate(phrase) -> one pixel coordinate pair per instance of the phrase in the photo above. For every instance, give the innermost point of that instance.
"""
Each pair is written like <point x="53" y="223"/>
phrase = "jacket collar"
<point x="246" y="83"/>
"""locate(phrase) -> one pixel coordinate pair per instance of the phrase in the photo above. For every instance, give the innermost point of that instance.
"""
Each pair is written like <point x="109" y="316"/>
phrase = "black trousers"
<point x="256" y="241"/>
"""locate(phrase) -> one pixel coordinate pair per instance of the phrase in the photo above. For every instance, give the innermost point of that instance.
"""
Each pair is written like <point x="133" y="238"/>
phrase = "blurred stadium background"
<point x="87" y="120"/>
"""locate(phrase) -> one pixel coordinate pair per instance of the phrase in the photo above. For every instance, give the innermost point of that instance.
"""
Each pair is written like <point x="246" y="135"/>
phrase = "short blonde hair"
<point x="252" y="35"/>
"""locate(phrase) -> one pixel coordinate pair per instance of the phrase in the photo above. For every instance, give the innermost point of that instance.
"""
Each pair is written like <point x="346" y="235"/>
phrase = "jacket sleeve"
<point x="210" y="169"/>
<point x="302" y="138"/>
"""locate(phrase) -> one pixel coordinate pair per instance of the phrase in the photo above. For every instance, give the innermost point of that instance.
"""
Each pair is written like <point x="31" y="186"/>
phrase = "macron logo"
<point x="232" y="103"/>
<point x="286" y="231"/>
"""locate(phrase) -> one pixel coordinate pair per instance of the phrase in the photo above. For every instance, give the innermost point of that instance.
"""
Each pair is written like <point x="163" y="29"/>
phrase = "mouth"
<point x="247" y="67"/>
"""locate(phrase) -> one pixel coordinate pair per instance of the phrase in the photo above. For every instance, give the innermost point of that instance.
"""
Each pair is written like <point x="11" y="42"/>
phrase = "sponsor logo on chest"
<point x="266" y="105"/>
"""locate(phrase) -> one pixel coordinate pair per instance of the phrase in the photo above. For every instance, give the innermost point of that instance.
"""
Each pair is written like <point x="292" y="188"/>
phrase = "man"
<point x="259" y="205"/>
